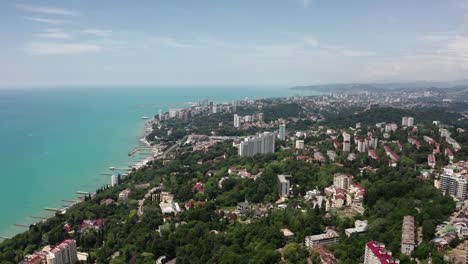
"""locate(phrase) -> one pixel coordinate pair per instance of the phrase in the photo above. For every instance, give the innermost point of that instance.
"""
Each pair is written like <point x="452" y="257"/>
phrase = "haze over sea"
<point x="56" y="141"/>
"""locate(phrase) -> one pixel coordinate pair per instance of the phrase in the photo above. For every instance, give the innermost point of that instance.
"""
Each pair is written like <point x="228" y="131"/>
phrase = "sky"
<point x="248" y="42"/>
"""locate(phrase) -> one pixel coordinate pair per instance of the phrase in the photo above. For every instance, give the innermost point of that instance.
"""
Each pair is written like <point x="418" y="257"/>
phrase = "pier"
<point x="135" y="150"/>
<point x="4" y="238"/>
<point x="53" y="209"/>
<point x="38" y="217"/>
<point x="22" y="225"/>
<point x="81" y="192"/>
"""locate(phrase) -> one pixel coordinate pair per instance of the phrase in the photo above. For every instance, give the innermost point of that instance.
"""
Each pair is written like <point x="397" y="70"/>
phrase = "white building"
<point x="342" y="181"/>
<point x="261" y="144"/>
<point x="64" y="253"/>
<point x="455" y="185"/>
<point x="115" y="178"/>
<point x="359" y="227"/>
<point x="123" y="195"/>
<point x="283" y="185"/>
<point x="237" y="121"/>
<point x="407" y="121"/>
<point x="173" y="113"/>
<point x="330" y="236"/>
<point x="410" y="121"/>
<point x="300" y="144"/>
<point x="346" y="146"/>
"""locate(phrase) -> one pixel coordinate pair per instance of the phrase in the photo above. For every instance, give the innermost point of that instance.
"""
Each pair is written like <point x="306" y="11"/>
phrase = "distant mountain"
<point x="460" y="84"/>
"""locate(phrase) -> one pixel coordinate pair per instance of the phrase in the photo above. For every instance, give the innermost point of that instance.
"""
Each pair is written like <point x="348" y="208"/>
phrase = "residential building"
<point x="407" y="121"/>
<point x="115" y="179"/>
<point x="64" y="253"/>
<point x="407" y="235"/>
<point x="361" y="145"/>
<point x="300" y="144"/>
<point x="346" y="146"/>
<point x="123" y="195"/>
<point x="359" y="227"/>
<point x="455" y="185"/>
<point x="376" y="253"/>
<point x="261" y="144"/>
<point x="330" y="236"/>
<point x="431" y="160"/>
<point x="237" y="121"/>
<point x="284" y="185"/>
<point x="404" y="121"/>
<point x="342" y="181"/>
<point x="173" y="113"/>
<point x="282" y="131"/>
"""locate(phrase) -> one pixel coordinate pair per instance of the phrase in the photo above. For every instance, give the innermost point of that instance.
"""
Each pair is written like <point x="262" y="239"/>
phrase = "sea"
<point x="57" y="141"/>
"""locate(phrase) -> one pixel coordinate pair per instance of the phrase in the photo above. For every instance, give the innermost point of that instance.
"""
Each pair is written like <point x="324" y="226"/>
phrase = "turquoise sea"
<point x="56" y="141"/>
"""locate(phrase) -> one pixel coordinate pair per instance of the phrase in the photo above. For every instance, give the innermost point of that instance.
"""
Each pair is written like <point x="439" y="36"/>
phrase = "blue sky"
<point x="264" y="42"/>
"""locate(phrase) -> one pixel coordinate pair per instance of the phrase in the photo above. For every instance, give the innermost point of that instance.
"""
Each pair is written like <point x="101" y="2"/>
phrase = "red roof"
<point x="379" y="251"/>
<point x="198" y="187"/>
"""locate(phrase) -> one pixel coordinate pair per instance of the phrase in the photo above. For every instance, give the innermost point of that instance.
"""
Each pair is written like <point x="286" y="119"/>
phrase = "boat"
<point x="144" y="117"/>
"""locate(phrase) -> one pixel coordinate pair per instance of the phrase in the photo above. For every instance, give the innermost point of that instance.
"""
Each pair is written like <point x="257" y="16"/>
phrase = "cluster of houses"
<point x="344" y="192"/>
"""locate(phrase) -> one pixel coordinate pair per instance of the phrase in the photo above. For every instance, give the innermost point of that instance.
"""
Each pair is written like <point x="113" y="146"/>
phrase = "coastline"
<point x="138" y="165"/>
<point x="92" y="166"/>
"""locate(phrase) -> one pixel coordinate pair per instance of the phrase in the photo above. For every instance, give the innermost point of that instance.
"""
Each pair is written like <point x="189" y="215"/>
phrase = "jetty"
<point x="135" y="150"/>
<point x="53" y="209"/>
<point x="81" y="192"/>
<point x="38" y="217"/>
<point x="22" y="225"/>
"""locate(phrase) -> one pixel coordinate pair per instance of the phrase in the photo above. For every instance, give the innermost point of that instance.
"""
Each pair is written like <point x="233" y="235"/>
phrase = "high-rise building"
<point x="361" y="145"/>
<point x="346" y="137"/>
<point x="283" y="185"/>
<point x="65" y="253"/>
<point x="261" y="144"/>
<point x="300" y="144"/>
<point x="404" y="121"/>
<point x="282" y="131"/>
<point x="342" y="181"/>
<point x="173" y="113"/>
<point x="237" y="121"/>
<point x="407" y="235"/>
<point x="346" y="146"/>
<point x="376" y="254"/>
<point x="454" y="185"/>
<point x="407" y="121"/>
<point x="410" y="121"/>
<point x="115" y="179"/>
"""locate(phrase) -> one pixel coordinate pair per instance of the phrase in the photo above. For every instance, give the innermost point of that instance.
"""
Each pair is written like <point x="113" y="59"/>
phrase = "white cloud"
<point x="305" y="3"/>
<point x="433" y="37"/>
<point x="50" y="48"/>
<point x="54" y="34"/>
<point x="170" y="42"/>
<point x="355" y="53"/>
<point x="281" y="51"/>
<point x="97" y="32"/>
<point x="47" y="10"/>
<point x="45" y="20"/>
<point x="310" y="41"/>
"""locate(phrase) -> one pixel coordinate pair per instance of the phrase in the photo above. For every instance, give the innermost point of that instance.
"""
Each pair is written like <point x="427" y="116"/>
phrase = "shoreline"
<point x="138" y="165"/>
